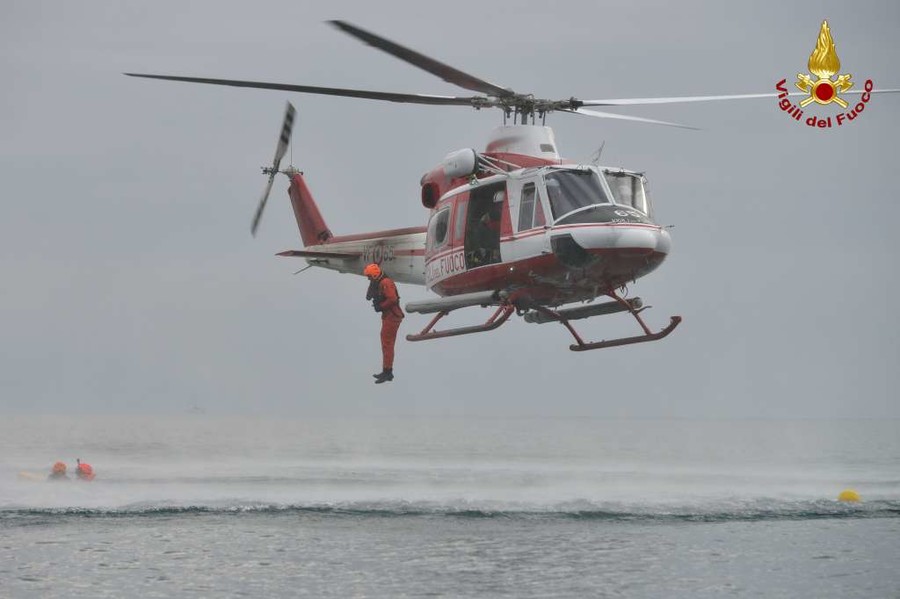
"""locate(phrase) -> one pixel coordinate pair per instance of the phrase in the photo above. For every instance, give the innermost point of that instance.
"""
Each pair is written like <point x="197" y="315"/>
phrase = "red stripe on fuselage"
<point x="548" y="277"/>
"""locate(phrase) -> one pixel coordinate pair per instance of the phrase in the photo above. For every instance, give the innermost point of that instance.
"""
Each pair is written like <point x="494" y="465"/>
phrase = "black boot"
<point x="386" y="375"/>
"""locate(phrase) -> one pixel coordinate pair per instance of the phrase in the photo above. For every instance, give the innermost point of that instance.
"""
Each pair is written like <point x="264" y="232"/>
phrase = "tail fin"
<point x="313" y="230"/>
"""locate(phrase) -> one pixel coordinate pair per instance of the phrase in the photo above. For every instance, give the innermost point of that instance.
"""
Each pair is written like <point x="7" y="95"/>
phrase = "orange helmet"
<point x="372" y="270"/>
<point x="59" y="468"/>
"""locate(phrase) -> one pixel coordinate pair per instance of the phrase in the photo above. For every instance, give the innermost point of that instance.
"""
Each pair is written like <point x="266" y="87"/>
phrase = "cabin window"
<point x="526" y="207"/>
<point x="570" y="190"/>
<point x="438" y="228"/>
<point x="628" y="190"/>
<point x="459" y="223"/>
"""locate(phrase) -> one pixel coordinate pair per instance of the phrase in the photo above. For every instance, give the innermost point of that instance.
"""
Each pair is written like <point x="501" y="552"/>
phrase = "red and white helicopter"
<point x="516" y="228"/>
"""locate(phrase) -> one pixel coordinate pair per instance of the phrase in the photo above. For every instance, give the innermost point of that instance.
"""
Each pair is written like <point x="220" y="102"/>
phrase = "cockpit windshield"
<point x="629" y="190"/>
<point x="569" y="190"/>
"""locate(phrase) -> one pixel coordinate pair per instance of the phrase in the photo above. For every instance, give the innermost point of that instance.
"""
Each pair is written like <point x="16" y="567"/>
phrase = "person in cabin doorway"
<point x="385" y="299"/>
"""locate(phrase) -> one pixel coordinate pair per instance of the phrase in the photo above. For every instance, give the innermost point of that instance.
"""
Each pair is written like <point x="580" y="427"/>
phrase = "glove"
<point x="375" y="305"/>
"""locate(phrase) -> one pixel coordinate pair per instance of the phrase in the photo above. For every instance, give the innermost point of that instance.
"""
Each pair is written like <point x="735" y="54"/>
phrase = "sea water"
<point x="196" y="505"/>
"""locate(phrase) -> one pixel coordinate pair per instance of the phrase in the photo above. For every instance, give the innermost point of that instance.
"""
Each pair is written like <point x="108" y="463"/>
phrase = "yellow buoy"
<point x="849" y="495"/>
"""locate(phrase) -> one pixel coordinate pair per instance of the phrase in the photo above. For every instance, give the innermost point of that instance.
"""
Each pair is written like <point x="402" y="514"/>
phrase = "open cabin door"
<point x="483" y="218"/>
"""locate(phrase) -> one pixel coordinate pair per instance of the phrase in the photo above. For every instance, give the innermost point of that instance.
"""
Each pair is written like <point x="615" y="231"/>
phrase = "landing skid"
<point x="501" y="315"/>
<point x="580" y="344"/>
<point x="507" y="308"/>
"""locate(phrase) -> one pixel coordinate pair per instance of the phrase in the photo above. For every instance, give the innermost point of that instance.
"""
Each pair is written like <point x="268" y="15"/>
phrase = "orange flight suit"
<point x="391" y="316"/>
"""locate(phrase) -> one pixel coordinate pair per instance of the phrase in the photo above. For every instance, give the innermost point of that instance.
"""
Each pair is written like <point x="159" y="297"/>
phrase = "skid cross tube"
<point x="648" y="335"/>
<point x="500" y="316"/>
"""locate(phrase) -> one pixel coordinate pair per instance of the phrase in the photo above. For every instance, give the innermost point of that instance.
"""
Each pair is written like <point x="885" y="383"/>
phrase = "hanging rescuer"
<point x="385" y="299"/>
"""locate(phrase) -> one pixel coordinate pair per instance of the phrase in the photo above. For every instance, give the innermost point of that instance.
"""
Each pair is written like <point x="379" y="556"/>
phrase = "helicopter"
<point x="515" y="228"/>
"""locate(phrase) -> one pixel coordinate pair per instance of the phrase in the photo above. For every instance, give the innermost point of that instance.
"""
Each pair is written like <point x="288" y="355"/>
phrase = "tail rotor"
<point x="283" y="142"/>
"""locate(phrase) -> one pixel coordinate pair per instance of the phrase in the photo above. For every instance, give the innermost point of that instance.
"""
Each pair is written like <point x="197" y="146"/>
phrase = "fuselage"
<point x="556" y="233"/>
<point x="548" y="231"/>
<point x="560" y="233"/>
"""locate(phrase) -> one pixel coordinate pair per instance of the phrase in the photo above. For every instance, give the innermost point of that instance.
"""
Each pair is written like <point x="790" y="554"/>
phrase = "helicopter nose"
<point x="631" y="237"/>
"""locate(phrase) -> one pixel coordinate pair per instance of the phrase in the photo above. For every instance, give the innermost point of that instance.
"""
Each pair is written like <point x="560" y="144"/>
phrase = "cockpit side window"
<point x="569" y="190"/>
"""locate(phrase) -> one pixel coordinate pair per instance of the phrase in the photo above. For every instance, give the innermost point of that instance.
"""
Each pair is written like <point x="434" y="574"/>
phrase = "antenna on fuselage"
<point x="595" y="157"/>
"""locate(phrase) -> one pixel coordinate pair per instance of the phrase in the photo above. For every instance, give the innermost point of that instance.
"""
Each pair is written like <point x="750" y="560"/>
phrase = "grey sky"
<point x="130" y="281"/>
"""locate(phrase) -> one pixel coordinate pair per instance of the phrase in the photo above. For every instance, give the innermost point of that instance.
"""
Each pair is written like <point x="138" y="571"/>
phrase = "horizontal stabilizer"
<point x="322" y="255"/>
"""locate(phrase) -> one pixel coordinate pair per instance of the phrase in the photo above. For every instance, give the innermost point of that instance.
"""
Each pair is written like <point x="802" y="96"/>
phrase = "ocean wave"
<point x="797" y="510"/>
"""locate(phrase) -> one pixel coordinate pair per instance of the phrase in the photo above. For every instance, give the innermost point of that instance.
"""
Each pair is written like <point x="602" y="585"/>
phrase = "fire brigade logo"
<point x="824" y="63"/>
<point x="823" y="87"/>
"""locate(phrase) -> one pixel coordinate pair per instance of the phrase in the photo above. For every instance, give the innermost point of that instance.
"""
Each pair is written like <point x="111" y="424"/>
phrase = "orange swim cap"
<point x="59" y="468"/>
<point x="372" y="270"/>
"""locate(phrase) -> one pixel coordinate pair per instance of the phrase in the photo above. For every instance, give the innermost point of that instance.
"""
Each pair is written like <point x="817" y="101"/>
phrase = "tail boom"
<point x="400" y="252"/>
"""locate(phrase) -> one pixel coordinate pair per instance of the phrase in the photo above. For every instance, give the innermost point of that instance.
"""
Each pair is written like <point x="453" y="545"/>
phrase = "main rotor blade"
<point x="445" y="72"/>
<point x="612" y="115"/>
<point x="330" y="91"/>
<point x="676" y="100"/>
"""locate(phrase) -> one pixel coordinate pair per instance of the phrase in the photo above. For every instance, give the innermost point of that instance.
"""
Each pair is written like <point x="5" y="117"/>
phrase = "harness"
<point x="376" y="295"/>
